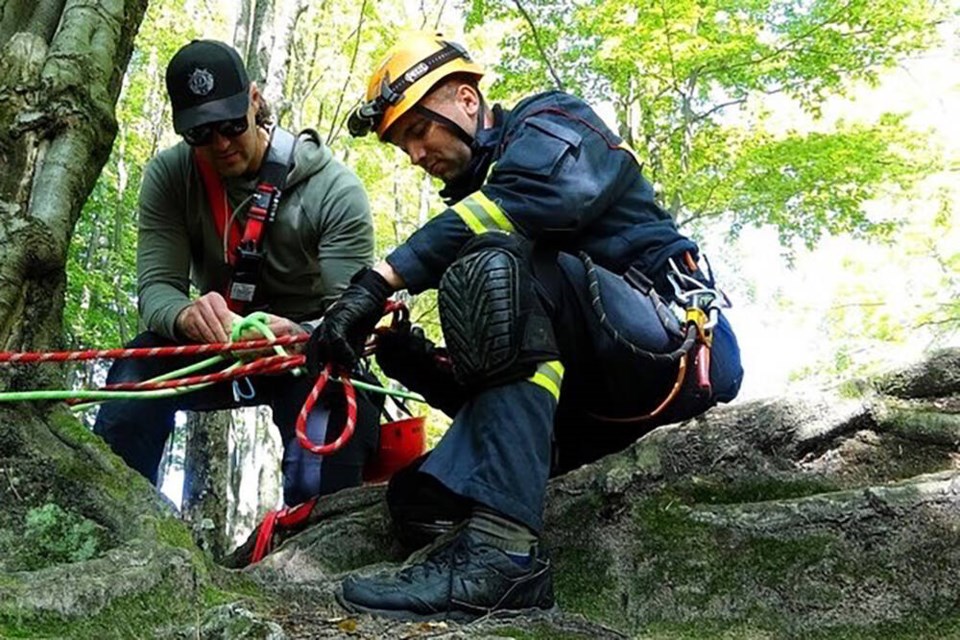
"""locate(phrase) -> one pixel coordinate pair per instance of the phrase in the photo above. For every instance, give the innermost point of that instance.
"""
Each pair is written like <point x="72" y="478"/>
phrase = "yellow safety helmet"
<point x="409" y="70"/>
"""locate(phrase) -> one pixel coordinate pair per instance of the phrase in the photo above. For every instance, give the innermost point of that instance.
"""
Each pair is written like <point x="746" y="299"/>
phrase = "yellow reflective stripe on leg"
<point x="549" y="375"/>
<point x="481" y="214"/>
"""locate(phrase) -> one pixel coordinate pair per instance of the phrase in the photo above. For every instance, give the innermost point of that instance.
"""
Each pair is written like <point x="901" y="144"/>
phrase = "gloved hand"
<point x="403" y="347"/>
<point x="341" y="335"/>
<point x="405" y="354"/>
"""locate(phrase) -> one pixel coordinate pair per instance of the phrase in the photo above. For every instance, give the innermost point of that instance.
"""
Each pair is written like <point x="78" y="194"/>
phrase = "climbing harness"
<point x="286" y="518"/>
<point x="700" y="302"/>
<point x="246" y="253"/>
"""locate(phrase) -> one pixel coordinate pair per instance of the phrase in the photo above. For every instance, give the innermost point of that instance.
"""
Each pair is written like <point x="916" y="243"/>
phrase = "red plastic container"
<point x="401" y="442"/>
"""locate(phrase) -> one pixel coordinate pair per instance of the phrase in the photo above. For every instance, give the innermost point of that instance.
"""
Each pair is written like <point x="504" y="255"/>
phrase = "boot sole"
<point x="457" y="615"/>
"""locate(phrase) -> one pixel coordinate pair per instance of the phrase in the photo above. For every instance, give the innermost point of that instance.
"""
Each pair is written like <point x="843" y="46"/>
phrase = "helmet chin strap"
<point x="457" y="130"/>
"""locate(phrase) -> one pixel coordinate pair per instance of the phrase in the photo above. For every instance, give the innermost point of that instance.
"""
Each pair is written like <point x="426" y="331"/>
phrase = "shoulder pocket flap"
<point x="540" y="147"/>
<point x="571" y="137"/>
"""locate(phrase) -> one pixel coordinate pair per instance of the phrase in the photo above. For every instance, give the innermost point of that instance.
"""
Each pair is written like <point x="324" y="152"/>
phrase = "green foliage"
<point x="807" y="185"/>
<point x="690" y="82"/>
<point x="52" y="535"/>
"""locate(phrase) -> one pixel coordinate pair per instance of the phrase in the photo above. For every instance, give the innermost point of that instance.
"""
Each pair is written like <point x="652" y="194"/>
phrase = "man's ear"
<point x="469" y="99"/>
<point x="254" y="94"/>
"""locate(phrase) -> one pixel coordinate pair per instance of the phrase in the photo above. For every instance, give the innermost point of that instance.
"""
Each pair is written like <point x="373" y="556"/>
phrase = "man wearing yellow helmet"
<point x="554" y="268"/>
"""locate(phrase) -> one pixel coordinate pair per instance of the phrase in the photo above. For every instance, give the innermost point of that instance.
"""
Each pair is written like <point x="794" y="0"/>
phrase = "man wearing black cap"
<point x="206" y="218"/>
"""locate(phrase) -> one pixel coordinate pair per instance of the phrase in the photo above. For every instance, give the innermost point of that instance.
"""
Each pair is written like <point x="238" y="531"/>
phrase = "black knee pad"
<point x="494" y="325"/>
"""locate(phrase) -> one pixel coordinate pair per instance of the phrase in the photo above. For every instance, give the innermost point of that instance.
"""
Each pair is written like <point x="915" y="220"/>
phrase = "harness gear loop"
<point x="701" y="301"/>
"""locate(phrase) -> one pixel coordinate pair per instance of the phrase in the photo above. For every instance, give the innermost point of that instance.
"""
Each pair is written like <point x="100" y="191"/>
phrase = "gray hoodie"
<point x="323" y="234"/>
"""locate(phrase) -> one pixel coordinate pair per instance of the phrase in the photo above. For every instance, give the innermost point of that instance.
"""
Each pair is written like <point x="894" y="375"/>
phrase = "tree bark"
<point x="57" y="125"/>
<point x="205" y="475"/>
<point x="61" y="65"/>
<point x="274" y="53"/>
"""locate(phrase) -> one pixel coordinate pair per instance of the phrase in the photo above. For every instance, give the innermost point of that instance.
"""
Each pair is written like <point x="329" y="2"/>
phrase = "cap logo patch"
<point x="200" y="82"/>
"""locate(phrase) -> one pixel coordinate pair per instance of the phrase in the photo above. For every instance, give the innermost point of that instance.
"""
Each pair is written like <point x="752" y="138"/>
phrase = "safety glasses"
<point x="199" y="136"/>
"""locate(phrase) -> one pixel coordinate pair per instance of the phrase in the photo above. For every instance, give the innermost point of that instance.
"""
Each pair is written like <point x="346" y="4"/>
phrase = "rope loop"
<point x="350" y="395"/>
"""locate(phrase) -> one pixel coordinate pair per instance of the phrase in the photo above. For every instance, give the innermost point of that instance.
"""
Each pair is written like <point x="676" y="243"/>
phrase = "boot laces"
<point x="441" y="561"/>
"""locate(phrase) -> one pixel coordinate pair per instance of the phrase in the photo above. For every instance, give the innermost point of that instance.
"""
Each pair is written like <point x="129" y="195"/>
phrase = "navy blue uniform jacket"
<point x="550" y="170"/>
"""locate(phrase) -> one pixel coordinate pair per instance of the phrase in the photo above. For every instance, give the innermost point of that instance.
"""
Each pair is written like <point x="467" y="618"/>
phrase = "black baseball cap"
<point x="207" y="82"/>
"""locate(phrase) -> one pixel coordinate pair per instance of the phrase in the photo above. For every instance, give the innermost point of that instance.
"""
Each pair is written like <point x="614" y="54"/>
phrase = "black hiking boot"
<point x="459" y="578"/>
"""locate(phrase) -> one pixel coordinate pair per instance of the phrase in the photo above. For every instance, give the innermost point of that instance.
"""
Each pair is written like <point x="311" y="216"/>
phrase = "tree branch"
<point x="536" y="39"/>
<point x="335" y="130"/>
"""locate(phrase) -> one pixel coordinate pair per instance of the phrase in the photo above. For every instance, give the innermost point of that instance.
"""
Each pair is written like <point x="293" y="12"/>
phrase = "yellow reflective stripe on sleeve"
<point x="549" y="375"/>
<point x="468" y="218"/>
<point x="481" y="214"/>
<point x="496" y="213"/>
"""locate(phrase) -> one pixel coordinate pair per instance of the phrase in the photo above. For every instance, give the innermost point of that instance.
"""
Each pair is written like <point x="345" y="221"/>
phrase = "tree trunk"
<point x="275" y="57"/>
<point x="205" y="473"/>
<point x="79" y="531"/>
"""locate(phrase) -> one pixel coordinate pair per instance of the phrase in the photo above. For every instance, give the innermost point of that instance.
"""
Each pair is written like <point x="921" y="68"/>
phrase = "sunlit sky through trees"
<point x="798" y="319"/>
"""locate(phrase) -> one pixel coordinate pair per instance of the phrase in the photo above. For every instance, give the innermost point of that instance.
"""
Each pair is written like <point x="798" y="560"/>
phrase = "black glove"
<point x="405" y="354"/>
<point x="341" y="335"/>
<point x="403" y="347"/>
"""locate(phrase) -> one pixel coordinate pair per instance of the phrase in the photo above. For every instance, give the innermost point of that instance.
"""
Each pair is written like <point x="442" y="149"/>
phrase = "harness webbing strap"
<point x="245" y="252"/>
<point x="219" y="206"/>
<point x="286" y="518"/>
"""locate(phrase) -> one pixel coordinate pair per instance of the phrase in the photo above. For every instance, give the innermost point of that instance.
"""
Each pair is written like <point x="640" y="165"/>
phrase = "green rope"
<point x="101" y="396"/>
<point x="406" y="395"/>
<point x="255" y="320"/>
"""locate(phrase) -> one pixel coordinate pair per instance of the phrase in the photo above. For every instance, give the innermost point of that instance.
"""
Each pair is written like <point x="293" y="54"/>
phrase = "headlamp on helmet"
<point x="368" y="115"/>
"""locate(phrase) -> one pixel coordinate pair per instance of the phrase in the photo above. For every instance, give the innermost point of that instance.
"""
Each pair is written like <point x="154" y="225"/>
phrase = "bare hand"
<point x="207" y="319"/>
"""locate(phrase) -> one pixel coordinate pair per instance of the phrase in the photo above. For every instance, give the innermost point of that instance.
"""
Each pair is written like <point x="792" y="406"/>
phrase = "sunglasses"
<point x="199" y="136"/>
